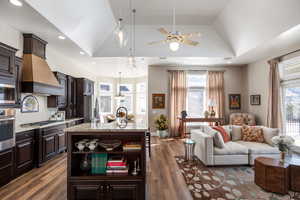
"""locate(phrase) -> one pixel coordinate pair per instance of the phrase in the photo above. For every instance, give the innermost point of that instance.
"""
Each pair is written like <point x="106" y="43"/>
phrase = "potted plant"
<point x="161" y="123"/>
<point x="283" y="143"/>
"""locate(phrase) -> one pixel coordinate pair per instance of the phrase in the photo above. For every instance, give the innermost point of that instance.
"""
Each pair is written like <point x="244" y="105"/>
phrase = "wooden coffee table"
<point x="274" y="176"/>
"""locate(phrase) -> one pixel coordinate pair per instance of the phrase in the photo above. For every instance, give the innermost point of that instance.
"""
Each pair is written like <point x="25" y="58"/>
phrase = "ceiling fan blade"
<point x="188" y="35"/>
<point x="190" y="42"/>
<point x="163" y="31"/>
<point x="157" y="42"/>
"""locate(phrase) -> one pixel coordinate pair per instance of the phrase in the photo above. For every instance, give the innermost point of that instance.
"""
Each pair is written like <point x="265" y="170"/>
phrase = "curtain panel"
<point x="177" y="99"/>
<point x="215" y="91"/>
<point x="274" y="117"/>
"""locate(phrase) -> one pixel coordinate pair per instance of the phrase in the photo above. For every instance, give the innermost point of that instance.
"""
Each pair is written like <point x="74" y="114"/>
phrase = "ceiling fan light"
<point x="174" y="46"/>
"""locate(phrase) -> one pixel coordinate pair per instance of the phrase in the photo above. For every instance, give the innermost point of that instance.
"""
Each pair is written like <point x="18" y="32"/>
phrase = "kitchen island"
<point x="115" y="169"/>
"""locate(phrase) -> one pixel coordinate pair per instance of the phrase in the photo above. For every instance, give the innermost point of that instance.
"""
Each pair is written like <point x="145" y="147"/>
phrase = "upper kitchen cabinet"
<point x="87" y="86"/>
<point x="7" y="61"/>
<point x="18" y="72"/>
<point x="59" y="101"/>
<point x="71" y="110"/>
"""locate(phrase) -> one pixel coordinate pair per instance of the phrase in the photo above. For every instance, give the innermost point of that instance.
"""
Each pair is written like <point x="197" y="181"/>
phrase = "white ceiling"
<point x="158" y="12"/>
<point x="246" y="30"/>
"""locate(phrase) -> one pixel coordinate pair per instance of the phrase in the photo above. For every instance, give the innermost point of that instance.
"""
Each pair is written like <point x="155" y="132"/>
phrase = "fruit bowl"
<point x="110" y="145"/>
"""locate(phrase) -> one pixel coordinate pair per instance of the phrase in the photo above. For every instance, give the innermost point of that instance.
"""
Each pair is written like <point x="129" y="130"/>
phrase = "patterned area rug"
<point x="225" y="183"/>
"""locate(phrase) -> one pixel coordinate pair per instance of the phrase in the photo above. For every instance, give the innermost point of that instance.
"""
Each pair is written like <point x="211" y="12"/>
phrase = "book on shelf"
<point x="132" y="146"/>
<point x="99" y="163"/>
<point x="117" y="171"/>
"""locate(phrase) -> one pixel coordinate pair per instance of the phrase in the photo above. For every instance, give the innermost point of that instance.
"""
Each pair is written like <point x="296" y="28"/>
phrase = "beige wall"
<point x="158" y="83"/>
<point x="256" y="80"/>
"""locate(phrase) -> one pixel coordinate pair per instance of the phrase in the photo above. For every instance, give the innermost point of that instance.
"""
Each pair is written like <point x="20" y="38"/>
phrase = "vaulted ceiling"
<point x="245" y="30"/>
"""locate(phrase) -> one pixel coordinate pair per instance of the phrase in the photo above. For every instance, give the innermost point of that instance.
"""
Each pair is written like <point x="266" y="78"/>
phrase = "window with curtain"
<point x="290" y="85"/>
<point x="105" y="98"/>
<point x="196" y="83"/>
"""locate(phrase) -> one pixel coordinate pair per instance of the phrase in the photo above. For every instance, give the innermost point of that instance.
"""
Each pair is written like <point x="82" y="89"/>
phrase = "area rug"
<point x="225" y="183"/>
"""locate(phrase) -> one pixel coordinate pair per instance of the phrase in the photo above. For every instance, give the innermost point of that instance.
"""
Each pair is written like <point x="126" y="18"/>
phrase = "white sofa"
<point x="234" y="152"/>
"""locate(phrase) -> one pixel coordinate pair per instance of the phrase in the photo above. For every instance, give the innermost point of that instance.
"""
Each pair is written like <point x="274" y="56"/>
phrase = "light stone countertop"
<point x="28" y="127"/>
<point x="107" y="127"/>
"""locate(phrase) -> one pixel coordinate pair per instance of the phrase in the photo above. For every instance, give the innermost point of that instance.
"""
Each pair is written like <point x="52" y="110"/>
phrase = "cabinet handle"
<point x="107" y="188"/>
<point x="24" y="144"/>
<point x="101" y="188"/>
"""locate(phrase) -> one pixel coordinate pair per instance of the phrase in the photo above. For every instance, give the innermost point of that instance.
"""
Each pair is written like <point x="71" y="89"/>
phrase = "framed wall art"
<point x="255" y="100"/>
<point x="234" y="101"/>
<point x="158" y="101"/>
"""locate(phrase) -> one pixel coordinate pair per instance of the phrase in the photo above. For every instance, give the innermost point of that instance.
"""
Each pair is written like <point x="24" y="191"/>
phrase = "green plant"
<point x="161" y="122"/>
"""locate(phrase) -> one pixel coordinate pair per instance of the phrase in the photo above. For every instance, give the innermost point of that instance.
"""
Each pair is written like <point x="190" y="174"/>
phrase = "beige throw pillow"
<point x="236" y="133"/>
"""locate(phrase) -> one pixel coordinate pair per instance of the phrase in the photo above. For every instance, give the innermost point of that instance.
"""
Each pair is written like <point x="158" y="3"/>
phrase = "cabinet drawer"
<point x="6" y="158"/>
<point x="53" y="129"/>
<point x="24" y="135"/>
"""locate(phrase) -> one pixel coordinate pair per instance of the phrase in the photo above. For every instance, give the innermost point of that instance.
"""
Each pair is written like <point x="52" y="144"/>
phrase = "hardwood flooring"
<point x="164" y="180"/>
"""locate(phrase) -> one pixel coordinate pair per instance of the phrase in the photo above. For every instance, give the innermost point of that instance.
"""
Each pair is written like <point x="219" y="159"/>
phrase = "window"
<point x="105" y="98"/>
<point x="290" y="84"/>
<point x="141" y="102"/>
<point x="127" y="102"/>
<point x="196" y="94"/>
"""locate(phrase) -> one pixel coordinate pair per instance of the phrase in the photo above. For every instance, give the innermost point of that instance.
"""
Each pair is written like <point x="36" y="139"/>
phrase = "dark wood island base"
<point x="86" y="184"/>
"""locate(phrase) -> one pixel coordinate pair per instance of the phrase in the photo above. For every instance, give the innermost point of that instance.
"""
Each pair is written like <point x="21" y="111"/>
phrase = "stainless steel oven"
<point x="7" y="94"/>
<point x="7" y="128"/>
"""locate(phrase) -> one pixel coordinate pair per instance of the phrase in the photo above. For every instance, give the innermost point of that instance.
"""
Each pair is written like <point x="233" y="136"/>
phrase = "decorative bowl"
<point x="110" y="145"/>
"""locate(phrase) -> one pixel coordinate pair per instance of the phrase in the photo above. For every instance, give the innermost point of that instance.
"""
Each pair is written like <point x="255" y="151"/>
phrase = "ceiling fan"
<point x="175" y="38"/>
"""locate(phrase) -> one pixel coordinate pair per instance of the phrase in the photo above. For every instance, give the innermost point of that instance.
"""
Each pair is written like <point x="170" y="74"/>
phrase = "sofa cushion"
<point x="269" y="133"/>
<point x="223" y="132"/>
<point x="238" y="120"/>
<point x="259" y="148"/>
<point x="217" y="137"/>
<point x="252" y="134"/>
<point x="236" y="133"/>
<point x="231" y="148"/>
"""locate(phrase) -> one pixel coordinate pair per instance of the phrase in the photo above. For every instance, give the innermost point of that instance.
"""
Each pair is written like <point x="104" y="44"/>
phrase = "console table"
<point x="274" y="176"/>
<point x="183" y="121"/>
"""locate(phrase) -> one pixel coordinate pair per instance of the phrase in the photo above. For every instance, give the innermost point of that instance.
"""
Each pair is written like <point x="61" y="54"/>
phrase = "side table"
<point x="189" y="147"/>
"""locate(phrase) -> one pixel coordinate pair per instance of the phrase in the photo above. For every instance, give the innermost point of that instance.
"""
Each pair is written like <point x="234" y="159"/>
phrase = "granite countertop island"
<point x="108" y="127"/>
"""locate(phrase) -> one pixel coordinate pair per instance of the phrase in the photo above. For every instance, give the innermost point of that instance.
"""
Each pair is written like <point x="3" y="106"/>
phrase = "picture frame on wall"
<point x="255" y="100"/>
<point x="234" y="101"/>
<point x="158" y="101"/>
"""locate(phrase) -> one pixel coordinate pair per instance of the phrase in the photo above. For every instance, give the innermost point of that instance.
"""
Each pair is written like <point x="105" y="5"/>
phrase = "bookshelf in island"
<point x="106" y="162"/>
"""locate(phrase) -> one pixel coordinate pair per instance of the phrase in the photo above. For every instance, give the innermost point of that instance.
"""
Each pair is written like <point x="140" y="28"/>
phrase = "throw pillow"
<point x="252" y="134"/>
<point x="239" y="121"/>
<point x="269" y="133"/>
<point x="236" y="133"/>
<point x="223" y="132"/>
<point x="217" y="138"/>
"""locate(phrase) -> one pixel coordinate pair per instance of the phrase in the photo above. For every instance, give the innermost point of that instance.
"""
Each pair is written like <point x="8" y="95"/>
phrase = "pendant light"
<point x="131" y="59"/>
<point x="121" y="33"/>
<point x="119" y="96"/>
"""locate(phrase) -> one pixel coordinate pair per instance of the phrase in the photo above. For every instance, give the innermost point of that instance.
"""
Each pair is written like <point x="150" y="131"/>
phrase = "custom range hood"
<point x="37" y="76"/>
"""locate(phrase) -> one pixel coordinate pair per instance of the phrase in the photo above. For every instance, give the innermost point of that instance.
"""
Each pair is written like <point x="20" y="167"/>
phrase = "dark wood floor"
<point x="164" y="181"/>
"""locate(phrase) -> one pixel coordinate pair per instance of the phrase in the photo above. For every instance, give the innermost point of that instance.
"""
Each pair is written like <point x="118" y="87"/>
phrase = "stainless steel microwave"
<point x="7" y="94"/>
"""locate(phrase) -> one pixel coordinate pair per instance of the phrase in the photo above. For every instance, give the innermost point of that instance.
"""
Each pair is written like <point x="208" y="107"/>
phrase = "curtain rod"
<point x="279" y="57"/>
<point x="199" y="70"/>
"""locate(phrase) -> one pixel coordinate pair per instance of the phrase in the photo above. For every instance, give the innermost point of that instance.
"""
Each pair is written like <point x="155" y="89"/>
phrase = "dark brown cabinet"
<point x="24" y="152"/>
<point x="59" y="101"/>
<point x="7" y="61"/>
<point x="85" y="90"/>
<point x="110" y="190"/>
<point x="18" y="75"/>
<point x="71" y="111"/>
<point x="6" y="166"/>
<point x="52" y="140"/>
<point x="34" y="45"/>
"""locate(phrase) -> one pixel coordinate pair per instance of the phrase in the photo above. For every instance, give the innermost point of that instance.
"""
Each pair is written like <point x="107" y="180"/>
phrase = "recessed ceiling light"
<point x="61" y="37"/>
<point x="81" y="52"/>
<point x="16" y="3"/>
